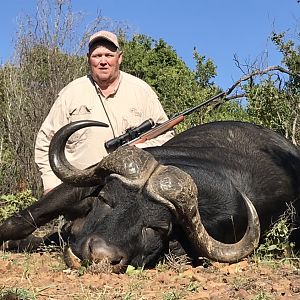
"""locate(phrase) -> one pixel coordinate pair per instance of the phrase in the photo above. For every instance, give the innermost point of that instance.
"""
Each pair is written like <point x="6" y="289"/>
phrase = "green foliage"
<point x="205" y="70"/>
<point x="10" y="204"/>
<point x="267" y="105"/>
<point x="276" y="244"/>
<point x="132" y="271"/>
<point x="263" y="296"/>
<point x="274" y="100"/>
<point x="30" y="89"/>
<point x="227" y="111"/>
<point x="291" y="56"/>
<point x="178" y="87"/>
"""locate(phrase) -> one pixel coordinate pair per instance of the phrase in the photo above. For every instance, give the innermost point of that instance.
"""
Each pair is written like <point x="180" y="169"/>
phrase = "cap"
<point x="104" y="35"/>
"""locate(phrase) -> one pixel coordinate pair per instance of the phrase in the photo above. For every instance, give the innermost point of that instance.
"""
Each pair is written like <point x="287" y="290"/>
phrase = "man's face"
<point x="104" y="61"/>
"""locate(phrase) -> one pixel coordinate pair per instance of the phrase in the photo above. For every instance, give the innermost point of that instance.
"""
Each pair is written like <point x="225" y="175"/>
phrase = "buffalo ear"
<point x="176" y="189"/>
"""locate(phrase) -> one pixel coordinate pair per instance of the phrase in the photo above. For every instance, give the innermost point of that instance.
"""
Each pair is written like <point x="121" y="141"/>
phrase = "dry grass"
<point x="45" y="276"/>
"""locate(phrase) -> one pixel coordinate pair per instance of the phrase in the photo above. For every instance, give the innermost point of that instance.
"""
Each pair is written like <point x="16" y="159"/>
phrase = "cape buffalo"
<point x="212" y="189"/>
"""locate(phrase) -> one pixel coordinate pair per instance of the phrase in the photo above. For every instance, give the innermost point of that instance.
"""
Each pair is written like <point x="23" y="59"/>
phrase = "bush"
<point x="276" y="244"/>
<point x="10" y="204"/>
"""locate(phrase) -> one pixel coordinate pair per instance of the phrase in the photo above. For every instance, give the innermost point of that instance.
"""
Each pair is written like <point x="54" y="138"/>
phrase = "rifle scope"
<point x="129" y="135"/>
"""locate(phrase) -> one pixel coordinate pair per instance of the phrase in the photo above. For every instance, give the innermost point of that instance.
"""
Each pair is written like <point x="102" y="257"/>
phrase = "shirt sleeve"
<point x="56" y="118"/>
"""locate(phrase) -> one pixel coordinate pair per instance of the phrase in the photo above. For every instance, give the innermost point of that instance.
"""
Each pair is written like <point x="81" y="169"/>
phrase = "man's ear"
<point x="120" y="57"/>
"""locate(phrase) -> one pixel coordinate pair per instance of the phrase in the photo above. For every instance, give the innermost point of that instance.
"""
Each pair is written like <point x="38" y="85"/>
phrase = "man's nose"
<point x="102" y="61"/>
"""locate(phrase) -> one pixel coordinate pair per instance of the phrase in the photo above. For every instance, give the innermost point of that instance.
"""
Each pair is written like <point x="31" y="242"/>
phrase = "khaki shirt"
<point x="132" y="103"/>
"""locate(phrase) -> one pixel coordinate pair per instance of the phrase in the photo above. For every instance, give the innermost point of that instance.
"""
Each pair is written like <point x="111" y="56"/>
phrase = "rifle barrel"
<point x="190" y="110"/>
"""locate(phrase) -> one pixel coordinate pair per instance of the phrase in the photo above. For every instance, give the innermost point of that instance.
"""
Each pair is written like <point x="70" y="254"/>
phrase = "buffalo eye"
<point x="148" y="233"/>
<point x="161" y="230"/>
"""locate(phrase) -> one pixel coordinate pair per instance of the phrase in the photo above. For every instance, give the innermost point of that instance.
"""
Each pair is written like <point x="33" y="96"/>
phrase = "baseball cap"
<point x="104" y="35"/>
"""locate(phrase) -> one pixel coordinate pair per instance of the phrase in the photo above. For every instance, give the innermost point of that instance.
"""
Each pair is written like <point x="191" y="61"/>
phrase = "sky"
<point x="218" y="29"/>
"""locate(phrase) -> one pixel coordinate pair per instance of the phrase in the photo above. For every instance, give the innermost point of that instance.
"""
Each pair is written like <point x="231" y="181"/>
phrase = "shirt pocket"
<point x="133" y="118"/>
<point x="82" y="112"/>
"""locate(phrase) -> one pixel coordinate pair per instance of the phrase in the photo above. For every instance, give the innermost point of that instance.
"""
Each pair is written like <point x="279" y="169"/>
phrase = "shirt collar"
<point x="115" y="89"/>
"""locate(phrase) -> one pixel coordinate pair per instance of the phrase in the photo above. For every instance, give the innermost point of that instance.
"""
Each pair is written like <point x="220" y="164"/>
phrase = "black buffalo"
<point x="211" y="189"/>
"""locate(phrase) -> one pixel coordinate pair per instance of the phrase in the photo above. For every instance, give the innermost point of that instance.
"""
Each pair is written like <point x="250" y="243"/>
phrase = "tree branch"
<point x="259" y="72"/>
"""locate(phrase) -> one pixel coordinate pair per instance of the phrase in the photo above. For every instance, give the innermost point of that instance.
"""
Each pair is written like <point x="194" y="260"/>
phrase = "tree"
<point x="177" y="86"/>
<point x="274" y="101"/>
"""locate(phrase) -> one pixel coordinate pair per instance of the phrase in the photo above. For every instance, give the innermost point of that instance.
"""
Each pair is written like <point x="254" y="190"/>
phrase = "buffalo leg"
<point x="33" y="243"/>
<point x="63" y="200"/>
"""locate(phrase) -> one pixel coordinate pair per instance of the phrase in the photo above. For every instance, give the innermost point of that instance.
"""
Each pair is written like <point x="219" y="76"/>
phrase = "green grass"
<point x="263" y="296"/>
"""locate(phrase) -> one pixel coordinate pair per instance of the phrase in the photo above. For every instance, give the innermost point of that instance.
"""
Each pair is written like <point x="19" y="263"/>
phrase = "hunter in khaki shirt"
<point x="122" y="101"/>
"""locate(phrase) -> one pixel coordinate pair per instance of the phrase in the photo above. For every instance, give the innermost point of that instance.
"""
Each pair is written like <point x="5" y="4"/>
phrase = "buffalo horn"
<point x="130" y="164"/>
<point x="170" y="184"/>
<point x="71" y="260"/>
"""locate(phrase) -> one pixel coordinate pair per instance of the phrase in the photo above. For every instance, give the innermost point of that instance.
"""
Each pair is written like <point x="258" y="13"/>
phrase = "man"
<point x="107" y="95"/>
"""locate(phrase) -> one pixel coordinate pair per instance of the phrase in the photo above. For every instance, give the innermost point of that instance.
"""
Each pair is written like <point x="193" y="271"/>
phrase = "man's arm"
<point x="56" y="118"/>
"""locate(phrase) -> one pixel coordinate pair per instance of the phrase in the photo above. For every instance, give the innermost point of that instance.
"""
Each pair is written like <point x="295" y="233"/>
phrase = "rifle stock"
<point x="157" y="130"/>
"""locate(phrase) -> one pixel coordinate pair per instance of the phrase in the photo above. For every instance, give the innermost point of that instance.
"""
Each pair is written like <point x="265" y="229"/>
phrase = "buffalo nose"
<point x="99" y="250"/>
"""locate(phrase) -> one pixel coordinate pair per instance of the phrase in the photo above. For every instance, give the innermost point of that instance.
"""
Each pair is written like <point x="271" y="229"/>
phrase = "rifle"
<point x="149" y="130"/>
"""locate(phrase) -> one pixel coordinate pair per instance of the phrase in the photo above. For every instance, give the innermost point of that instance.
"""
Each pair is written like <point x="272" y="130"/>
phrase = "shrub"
<point x="10" y="204"/>
<point x="276" y="243"/>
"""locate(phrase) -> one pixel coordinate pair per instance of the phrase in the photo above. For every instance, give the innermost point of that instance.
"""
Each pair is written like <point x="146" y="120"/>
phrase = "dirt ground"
<point x="45" y="276"/>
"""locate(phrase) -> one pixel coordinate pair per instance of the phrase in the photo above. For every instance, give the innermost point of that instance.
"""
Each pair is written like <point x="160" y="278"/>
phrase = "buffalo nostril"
<point x="99" y="249"/>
